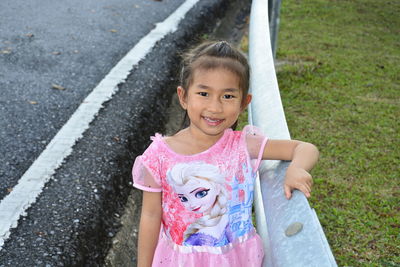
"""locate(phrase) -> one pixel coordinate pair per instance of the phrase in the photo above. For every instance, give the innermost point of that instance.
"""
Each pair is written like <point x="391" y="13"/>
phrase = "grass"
<point x="340" y="88"/>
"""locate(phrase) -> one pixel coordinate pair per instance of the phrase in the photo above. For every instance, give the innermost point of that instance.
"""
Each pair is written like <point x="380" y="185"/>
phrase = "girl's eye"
<point x="228" y="96"/>
<point x="202" y="193"/>
<point x="203" y="93"/>
<point x="183" y="199"/>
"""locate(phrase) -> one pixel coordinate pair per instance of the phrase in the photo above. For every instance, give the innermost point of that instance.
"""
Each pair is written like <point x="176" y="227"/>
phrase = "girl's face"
<point x="197" y="195"/>
<point x="213" y="101"/>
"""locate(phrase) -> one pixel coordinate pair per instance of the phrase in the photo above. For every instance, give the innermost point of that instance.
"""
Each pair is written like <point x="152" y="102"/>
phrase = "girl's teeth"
<point x="211" y="120"/>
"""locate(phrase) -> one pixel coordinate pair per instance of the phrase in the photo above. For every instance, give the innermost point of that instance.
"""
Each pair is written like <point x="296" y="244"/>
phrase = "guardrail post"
<point x="274" y="7"/>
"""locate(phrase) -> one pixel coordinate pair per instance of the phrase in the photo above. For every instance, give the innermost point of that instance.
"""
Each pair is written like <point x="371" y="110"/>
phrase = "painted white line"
<point x="31" y="184"/>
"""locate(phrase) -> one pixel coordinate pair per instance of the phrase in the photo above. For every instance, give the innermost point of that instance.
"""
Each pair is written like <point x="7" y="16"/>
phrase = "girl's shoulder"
<point x="174" y="145"/>
<point x="156" y="143"/>
<point x="177" y="144"/>
<point x="250" y="130"/>
<point x="155" y="149"/>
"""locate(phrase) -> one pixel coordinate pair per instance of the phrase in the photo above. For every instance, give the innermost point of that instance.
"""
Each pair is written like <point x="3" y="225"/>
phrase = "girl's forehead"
<point x="201" y="72"/>
<point x="216" y="78"/>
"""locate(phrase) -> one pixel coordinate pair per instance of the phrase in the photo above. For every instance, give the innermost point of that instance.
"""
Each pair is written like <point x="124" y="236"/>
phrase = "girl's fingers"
<point x="306" y="190"/>
<point x="308" y="187"/>
<point x="304" y="187"/>
<point x="288" y="191"/>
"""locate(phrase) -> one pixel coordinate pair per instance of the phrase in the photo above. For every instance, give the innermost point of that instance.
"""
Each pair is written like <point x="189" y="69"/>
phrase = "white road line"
<point x="31" y="184"/>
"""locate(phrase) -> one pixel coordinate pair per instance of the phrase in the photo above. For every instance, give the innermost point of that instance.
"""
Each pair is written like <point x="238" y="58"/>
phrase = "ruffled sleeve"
<point x="255" y="142"/>
<point x="146" y="169"/>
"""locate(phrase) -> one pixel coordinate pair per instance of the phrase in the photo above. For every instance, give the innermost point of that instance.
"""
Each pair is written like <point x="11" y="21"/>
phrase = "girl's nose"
<point x="215" y="106"/>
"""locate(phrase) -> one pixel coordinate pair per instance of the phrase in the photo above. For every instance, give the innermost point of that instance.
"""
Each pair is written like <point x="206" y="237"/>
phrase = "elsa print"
<point x="200" y="188"/>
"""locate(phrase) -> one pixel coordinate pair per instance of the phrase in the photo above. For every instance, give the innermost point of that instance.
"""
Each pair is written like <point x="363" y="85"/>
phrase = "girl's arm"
<point x="149" y="229"/>
<point x="303" y="156"/>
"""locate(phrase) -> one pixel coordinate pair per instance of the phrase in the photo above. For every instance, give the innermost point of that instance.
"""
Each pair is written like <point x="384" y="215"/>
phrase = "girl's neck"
<point x="189" y="142"/>
<point x="202" y="139"/>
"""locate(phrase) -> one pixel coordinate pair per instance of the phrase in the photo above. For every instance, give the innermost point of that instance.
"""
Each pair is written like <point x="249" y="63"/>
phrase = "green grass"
<point x="340" y="88"/>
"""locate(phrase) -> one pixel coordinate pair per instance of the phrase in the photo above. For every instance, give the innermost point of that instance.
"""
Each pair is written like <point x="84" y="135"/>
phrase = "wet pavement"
<point x="52" y="54"/>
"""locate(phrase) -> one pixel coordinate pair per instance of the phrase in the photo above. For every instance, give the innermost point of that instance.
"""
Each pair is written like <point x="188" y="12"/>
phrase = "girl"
<point x="214" y="91"/>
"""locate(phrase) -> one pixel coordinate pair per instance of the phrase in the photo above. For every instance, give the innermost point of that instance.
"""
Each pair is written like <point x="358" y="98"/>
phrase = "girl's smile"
<point x="213" y="122"/>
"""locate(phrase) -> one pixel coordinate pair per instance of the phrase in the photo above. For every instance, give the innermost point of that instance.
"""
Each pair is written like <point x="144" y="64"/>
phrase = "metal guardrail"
<point x="274" y="213"/>
<point x="274" y="7"/>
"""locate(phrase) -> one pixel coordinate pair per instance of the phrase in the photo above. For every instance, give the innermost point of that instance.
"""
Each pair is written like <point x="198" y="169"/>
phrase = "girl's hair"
<point x="182" y="173"/>
<point x="212" y="55"/>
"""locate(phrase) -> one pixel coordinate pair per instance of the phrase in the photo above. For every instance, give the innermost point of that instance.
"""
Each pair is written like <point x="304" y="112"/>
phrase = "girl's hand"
<point x="297" y="178"/>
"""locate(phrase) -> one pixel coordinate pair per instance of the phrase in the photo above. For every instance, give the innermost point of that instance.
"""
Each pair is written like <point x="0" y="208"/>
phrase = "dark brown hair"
<point x="212" y="55"/>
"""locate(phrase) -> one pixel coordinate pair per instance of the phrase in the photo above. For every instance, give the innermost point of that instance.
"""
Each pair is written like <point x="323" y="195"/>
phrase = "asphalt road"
<point x="72" y="44"/>
<point x="52" y="55"/>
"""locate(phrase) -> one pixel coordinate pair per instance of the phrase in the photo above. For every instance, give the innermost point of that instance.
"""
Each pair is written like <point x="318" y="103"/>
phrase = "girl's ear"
<point x="246" y="101"/>
<point x="182" y="97"/>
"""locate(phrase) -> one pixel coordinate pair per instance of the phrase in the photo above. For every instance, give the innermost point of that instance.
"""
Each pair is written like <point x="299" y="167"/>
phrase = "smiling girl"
<point x="198" y="183"/>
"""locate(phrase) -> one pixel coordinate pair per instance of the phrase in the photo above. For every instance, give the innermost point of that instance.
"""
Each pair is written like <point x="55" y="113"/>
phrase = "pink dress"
<point x="206" y="200"/>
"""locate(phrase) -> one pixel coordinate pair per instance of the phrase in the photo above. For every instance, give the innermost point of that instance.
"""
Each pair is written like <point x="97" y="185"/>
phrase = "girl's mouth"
<point x="213" y="121"/>
<point x="196" y="209"/>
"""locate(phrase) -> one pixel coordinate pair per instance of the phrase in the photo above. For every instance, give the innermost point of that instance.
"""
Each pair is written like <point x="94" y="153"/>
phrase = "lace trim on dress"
<point x="209" y="249"/>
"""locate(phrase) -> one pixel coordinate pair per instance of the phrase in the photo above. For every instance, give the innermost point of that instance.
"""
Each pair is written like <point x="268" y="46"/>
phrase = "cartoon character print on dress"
<point x="222" y="206"/>
<point x="240" y="209"/>
<point x="201" y="189"/>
